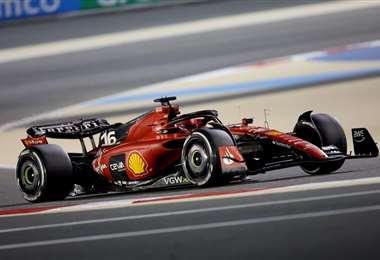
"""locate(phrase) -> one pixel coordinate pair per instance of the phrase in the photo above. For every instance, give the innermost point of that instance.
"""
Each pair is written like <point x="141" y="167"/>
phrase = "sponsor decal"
<point x="358" y="135"/>
<point x="273" y="133"/>
<point x="232" y="162"/>
<point x="281" y="144"/>
<point x="73" y="127"/>
<point x="18" y="9"/>
<point x="91" y="4"/>
<point x="30" y="141"/>
<point x="103" y="166"/>
<point x="96" y="165"/>
<point x="117" y="168"/>
<point x="133" y="182"/>
<point x="120" y="183"/>
<point x="331" y="149"/>
<point x="228" y="157"/>
<point x="126" y="183"/>
<point x="307" y="123"/>
<point x="173" y="180"/>
<point x="136" y="163"/>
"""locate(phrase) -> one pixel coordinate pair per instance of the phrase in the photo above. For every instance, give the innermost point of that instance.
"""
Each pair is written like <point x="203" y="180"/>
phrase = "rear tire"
<point x="331" y="133"/>
<point x="44" y="173"/>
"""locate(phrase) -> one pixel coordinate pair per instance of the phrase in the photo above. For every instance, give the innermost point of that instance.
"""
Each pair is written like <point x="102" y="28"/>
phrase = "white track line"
<point x="191" y="211"/>
<point x="114" y="204"/>
<point x="169" y="230"/>
<point x="187" y="28"/>
<point x="265" y="191"/>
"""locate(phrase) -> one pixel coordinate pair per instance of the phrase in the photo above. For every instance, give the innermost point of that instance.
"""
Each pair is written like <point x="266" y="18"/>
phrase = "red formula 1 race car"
<point x="162" y="148"/>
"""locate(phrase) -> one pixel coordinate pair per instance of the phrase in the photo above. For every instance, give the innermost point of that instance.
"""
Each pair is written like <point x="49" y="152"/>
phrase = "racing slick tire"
<point x="331" y="133"/>
<point x="200" y="156"/>
<point x="44" y="173"/>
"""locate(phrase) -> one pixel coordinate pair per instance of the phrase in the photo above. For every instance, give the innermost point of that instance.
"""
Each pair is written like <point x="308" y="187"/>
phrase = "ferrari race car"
<point x="162" y="148"/>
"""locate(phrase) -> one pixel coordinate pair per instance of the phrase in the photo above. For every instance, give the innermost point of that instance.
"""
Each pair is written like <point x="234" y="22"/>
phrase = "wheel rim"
<point x="198" y="161"/>
<point x="29" y="177"/>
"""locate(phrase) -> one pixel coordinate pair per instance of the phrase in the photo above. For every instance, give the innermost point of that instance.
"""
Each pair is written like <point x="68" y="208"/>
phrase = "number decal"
<point x="108" y="138"/>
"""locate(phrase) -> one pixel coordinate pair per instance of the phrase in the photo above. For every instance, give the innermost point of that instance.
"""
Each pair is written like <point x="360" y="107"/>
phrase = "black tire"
<point x="331" y="133"/>
<point x="200" y="156"/>
<point x="44" y="173"/>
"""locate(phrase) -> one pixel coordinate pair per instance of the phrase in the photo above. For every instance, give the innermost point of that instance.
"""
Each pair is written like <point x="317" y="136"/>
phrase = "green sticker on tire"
<point x="28" y="175"/>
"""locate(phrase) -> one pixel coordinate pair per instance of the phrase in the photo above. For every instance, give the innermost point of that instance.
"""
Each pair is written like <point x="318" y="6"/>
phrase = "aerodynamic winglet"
<point x="364" y="145"/>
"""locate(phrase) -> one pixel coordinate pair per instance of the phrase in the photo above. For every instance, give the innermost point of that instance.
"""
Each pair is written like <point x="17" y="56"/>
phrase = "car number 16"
<point x="108" y="138"/>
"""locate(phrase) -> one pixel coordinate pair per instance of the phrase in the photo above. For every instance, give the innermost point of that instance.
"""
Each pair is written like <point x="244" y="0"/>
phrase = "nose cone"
<point x="297" y="143"/>
<point x="316" y="152"/>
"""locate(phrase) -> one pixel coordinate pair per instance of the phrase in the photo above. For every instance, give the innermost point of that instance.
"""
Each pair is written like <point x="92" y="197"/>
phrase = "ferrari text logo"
<point x="136" y="163"/>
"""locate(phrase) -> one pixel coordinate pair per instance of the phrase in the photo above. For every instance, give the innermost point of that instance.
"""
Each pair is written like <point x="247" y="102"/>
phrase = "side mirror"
<point x="165" y="101"/>
<point x="246" y="121"/>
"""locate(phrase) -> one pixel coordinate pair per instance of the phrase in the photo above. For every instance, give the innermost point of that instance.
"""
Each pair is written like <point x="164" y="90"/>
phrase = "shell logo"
<point x="136" y="163"/>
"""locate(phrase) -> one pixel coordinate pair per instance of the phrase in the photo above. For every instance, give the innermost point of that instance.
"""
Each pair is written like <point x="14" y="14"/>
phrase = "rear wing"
<point x="70" y="130"/>
<point x="78" y="129"/>
<point x="364" y="145"/>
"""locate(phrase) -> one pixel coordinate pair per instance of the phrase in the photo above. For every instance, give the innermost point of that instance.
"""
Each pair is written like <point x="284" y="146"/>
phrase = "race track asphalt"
<point x="335" y="223"/>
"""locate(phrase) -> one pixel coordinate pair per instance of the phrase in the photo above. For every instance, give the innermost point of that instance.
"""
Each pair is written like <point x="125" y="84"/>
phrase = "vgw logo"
<point x="23" y="8"/>
<point x="175" y="180"/>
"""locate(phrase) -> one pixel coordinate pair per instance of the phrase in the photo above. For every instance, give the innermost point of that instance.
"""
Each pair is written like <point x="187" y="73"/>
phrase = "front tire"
<point x="200" y="156"/>
<point x="330" y="133"/>
<point x="44" y="173"/>
<point x="199" y="160"/>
